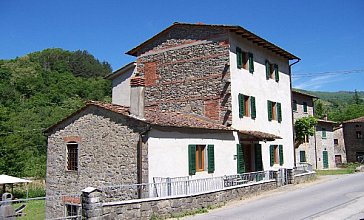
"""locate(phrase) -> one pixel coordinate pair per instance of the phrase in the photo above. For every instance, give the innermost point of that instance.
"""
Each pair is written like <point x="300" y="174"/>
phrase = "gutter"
<point x="290" y="80"/>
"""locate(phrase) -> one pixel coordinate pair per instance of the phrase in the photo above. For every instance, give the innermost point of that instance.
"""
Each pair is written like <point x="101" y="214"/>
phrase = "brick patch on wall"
<point x="212" y="109"/>
<point x="72" y="139"/>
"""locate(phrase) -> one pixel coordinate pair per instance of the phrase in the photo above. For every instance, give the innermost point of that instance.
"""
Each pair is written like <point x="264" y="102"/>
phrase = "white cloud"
<point x="316" y="82"/>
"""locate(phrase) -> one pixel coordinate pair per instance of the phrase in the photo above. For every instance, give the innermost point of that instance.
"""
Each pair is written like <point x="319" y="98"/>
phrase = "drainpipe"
<point x="140" y="159"/>
<point x="290" y="80"/>
<point x="313" y="109"/>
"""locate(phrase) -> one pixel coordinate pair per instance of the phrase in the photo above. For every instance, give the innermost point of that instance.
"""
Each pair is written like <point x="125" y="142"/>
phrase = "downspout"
<point x="140" y="160"/>
<point x="313" y="109"/>
<point x="290" y="80"/>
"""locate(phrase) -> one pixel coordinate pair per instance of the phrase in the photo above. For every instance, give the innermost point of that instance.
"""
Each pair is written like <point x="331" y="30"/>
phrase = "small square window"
<point x="359" y="135"/>
<point x="72" y="211"/>
<point x="336" y="141"/>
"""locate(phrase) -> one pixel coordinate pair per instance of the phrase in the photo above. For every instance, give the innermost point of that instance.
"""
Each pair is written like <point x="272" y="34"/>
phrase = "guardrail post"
<point x="91" y="204"/>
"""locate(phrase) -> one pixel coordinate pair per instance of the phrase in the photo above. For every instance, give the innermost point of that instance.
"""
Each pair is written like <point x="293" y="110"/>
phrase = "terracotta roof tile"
<point x="260" y="135"/>
<point x="360" y="119"/>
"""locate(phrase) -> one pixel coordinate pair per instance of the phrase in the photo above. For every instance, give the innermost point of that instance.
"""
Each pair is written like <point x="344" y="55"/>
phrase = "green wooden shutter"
<point x="210" y="159"/>
<point x="241" y="106"/>
<point x="270" y="113"/>
<point x="267" y="69"/>
<point x="239" y="58"/>
<point x="258" y="157"/>
<point x="251" y="63"/>
<point x="192" y="159"/>
<point x="279" y="112"/>
<point x="271" y="153"/>
<point x="240" y="158"/>
<point x="325" y="159"/>
<point x="302" y="156"/>
<point x="276" y="72"/>
<point x="281" y="155"/>
<point x="323" y="133"/>
<point x="253" y="108"/>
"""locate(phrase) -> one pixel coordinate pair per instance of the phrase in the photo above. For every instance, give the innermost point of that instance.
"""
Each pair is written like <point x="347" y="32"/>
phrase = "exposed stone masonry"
<point x="107" y="152"/>
<point x="193" y="78"/>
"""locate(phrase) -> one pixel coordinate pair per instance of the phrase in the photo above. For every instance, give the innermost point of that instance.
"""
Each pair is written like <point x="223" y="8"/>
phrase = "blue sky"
<point x="327" y="35"/>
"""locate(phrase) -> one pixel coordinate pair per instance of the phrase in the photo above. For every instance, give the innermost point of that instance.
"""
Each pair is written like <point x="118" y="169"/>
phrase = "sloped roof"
<point x="303" y="93"/>
<point x="120" y="71"/>
<point x="355" y="120"/>
<point x="326" y="121"/>
<point x="171" y="119"/>
<point x="232" y="28"/>
<point x="5" y="179"/>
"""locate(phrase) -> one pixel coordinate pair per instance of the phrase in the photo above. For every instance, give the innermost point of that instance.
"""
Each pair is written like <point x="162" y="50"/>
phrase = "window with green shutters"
<point x="239" y="58"/>
<point x="276" y="154"/>
<point x="258" y="157"/>
<point x="279" y="112"/>
<point x="305" y="107"/>
<point x="210" y="159"/>
<point x="323" y="133"/>
<point x="302" y="156"/>
<point x="276" y="72"/>
<point x="253" y="108"/>
<point x="281" y="161"/>
<point x="251" y="63"/>
<point x="192" y="159"/>
<point x="294" y="105"/>
<point x="240" y="158"/>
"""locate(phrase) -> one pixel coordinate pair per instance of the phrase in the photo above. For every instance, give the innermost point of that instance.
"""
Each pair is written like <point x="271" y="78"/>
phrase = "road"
<point x="336" y="197"/>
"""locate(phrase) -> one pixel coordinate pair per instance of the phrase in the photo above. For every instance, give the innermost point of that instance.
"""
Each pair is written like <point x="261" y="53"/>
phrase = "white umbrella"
<point x="5" y="179"/>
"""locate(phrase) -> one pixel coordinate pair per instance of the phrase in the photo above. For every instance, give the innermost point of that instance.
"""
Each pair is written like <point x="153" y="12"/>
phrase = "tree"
<point x="319" y="109"/>
<point x="304" y="127"/>
<point x="356" y="98"/>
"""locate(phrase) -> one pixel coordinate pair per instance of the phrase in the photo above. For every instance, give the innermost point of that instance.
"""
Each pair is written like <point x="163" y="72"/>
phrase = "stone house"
<point x="339" y="145"/>
<point x="199" y="101"/>
<point x="353" y="131"/>
<point x="318" y="150"/>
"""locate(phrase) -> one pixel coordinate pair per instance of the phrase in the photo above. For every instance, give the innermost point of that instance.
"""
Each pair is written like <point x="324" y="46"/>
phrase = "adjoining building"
<point x="353" y="131"/>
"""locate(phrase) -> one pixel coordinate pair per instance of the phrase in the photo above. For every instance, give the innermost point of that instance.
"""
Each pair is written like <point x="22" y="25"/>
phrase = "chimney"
<point x="325" y="117"/>
<point x="137" y="96"/>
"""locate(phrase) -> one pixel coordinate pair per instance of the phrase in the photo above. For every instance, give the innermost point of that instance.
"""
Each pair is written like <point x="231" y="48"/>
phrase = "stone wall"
<point x="304" y="177"/>
<point x="353" y="144"/>
<point x="325" y="144"/>
<point x="107" y="155"/>
<point x="165" y="207"/>
<point x="339" y="148"/>
<point x="187" y="70"/>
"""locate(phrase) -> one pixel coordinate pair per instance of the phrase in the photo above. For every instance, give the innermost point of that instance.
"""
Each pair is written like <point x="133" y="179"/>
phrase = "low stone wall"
<point x="304" y="177"/>
<point x="165" y="207"/>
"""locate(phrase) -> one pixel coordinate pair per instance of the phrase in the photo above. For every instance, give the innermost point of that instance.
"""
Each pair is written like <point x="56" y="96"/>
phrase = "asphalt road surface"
<point x="334" y="197"/>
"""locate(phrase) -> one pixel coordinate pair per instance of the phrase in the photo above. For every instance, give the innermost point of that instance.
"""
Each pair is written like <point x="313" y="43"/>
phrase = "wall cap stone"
<point x="90" y="190"/>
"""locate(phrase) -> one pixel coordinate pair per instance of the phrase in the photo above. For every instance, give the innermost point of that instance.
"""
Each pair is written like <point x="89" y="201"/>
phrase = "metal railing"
<point x="167" y="187"/>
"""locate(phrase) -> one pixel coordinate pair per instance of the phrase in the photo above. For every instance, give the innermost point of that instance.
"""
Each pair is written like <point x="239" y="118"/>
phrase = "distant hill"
<point x="339" y="106"/>
<point x="36" y="91"/>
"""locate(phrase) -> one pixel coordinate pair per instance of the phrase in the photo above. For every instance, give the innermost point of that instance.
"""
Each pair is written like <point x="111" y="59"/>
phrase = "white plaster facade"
<point x="121" y="84"/>
<point x="168" y="152"/>
<point x="255" y="84"/>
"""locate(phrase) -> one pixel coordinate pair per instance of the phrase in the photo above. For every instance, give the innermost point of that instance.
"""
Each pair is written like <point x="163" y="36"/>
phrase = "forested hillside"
<point x="36" y="91"/>
<point x="339" y="106"/>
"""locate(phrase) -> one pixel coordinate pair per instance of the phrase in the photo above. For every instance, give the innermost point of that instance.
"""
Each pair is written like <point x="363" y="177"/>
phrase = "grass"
<point x="35" y="209"/>
<point x="345" y="169"/>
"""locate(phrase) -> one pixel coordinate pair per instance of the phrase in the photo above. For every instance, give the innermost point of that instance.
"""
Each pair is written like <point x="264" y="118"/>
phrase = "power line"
<point x="327" y="73"/>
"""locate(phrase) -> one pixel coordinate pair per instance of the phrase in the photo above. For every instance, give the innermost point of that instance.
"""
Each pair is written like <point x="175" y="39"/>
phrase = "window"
<point x="305" y="107"/>
<point x="323" y="133"/>
<point x="244" y="60"/>
<point x="276" y="154"/>
<point x="359" y="135"/>
<point x="302" y="156"/>
<point x="72" y="156"/>
<point x="247" y="106"/>
<point x="336" y="141"/>
<point x="294" y="105"/>
<point x="271" y="71"/>
<point x="274" y="111"/>
<point x="71" y="210"/>
<point x="358" y="126"/>
<point x="197" y="155"/>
